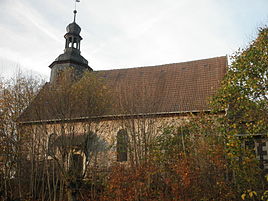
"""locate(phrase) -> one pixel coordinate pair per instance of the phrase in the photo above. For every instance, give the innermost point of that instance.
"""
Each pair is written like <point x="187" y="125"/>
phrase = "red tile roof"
<point x="169" y="88"/>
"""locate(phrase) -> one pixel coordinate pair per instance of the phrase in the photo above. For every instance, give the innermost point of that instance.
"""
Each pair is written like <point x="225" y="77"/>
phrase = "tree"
<point x="15" y="95"/>
<point x="244" y="97"/>
<point x="72" y="141"/>
<point x="209" y="151"/>
<point x="244" y="92"/>
<point x="140" y="129"/>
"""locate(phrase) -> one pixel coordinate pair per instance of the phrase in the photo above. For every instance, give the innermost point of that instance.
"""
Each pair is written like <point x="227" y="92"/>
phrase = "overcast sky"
<point x="126" y="33"/>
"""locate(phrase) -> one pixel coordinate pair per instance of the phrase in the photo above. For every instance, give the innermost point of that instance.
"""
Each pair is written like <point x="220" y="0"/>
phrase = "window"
<point x="250" y="145"/>
<point x="122" y="145"/>
<point x="70" y="42"/>
<point x="76" y="165"/>
<point x="262" y="153"/>
<point x="258" y="147"/>
<point x="51" y="148"/>
<point x="75" y="45"/>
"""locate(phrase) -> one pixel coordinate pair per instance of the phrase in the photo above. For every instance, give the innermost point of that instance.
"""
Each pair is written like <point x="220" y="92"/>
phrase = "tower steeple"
<point x="71" y="58"/>
<point x="72" y="36"/>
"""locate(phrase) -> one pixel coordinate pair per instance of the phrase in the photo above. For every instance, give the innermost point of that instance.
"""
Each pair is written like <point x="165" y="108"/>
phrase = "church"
<point x="155" y="97"/>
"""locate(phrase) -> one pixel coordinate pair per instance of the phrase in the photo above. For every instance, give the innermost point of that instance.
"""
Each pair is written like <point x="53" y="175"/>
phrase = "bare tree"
<point x="140" y="105"/>
<point x="16" y="95"/>
<point x="65" y="137"/>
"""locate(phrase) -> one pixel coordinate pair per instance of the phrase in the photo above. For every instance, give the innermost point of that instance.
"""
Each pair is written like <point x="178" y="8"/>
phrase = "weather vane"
<point x="75" y="11"/>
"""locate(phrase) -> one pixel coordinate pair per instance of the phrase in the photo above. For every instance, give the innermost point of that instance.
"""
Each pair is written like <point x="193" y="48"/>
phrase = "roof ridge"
<point x="161" y="65"/>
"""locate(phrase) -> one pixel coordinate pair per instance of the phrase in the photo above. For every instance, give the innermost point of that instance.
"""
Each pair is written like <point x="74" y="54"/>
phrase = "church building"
<point x="156" y="96"/>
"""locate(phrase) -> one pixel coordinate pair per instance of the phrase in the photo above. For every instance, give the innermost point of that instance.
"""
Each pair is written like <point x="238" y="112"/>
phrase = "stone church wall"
<point x="105" y="152"/>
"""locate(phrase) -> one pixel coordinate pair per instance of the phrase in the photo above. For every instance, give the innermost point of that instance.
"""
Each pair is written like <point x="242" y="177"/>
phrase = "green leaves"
<point x="244" y="91"/>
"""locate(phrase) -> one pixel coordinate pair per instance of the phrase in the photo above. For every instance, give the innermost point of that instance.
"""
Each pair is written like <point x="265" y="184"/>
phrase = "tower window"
<point x="75" y="43"/>
<point x="70" y="42"/>
<point x="122" y="145"/>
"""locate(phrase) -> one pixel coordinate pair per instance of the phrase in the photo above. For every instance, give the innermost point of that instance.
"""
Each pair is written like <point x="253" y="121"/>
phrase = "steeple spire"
<point x="72" y="55"/>
<point x="75" y="11"/>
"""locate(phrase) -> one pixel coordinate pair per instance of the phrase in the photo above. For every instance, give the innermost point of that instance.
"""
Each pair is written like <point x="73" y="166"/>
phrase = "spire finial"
<point x="75" y="11"/>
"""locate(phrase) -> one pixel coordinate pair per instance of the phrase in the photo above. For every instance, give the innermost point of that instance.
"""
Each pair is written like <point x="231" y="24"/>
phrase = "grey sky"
<point x="126" y="33"/>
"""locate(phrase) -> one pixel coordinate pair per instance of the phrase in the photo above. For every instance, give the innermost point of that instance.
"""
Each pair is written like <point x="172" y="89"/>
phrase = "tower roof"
<point x="73" y="28"/>
<point x="72" y="55"/>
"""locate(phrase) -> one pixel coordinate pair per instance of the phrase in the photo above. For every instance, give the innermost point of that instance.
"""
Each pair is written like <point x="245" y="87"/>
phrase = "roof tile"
<point x="178" y="87"/>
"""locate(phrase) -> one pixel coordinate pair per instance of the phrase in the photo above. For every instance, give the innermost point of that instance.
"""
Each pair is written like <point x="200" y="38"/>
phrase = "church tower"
<point x="71" y="58"/>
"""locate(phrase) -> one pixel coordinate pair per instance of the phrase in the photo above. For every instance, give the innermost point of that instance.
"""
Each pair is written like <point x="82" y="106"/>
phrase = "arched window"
<point x="75" y="43"/>
<point x="122" y="145"/>
<point x="70" y="42"/>
<point x="51" y="148"/>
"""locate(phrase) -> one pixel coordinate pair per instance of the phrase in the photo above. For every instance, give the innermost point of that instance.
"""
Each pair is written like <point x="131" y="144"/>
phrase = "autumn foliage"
<point x="205" y="158"/>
